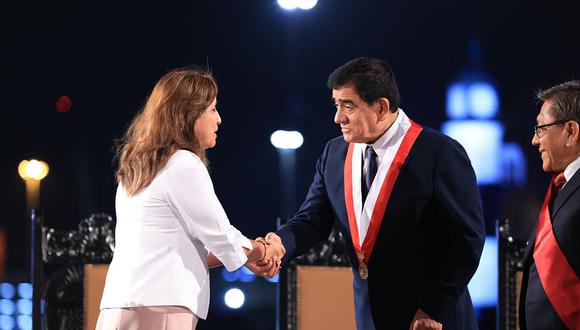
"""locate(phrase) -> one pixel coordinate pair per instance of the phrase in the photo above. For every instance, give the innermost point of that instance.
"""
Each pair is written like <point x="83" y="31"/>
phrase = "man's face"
<point x="551" y="141"/>
<point x="358" y="120"/>
<point x="206" y="127"/>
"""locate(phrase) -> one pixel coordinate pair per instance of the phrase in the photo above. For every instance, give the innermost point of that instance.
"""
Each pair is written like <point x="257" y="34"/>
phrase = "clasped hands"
<point x="269" y="265"/>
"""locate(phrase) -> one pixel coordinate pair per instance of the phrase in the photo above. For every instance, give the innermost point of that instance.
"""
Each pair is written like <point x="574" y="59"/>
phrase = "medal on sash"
<point x="364" y="250"/>
<point x="363" y="270"/>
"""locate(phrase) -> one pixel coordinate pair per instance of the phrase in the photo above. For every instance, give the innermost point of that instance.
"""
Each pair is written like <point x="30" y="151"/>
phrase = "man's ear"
<point x="573" y="130"/>
<point x="384" y="108"/>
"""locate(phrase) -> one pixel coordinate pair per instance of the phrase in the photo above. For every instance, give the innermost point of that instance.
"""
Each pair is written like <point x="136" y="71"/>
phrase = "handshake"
<point x="269" y="264"/>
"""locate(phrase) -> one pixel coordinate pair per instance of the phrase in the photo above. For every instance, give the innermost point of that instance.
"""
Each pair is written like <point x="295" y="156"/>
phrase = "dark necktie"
<point x="371" y="170"/>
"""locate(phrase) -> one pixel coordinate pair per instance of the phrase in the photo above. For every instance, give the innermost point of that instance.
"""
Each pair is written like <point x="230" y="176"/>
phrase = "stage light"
<point x="7" y="290"/>
<point x="288" y="4"/>
<point x="24" y="322"/>
<point x="307" y="4"/>
<point x="25" y="290"/>
<point x="483" y="100"/>
<point x="6" y="322"/>
<point x="24" y="306"/>
<point x="456" y="107"/>
<point x="234" y="298"/>
<point x="482" y="140"/>
<point x="7" y="307"/>
<point x="63" y="104"/>
<point x="286" y="139"/>
<point x="32" y="169"/>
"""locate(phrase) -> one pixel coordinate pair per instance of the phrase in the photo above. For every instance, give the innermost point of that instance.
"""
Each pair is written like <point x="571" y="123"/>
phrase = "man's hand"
<point x="273" y="238"/>
<point x="274" y="249"/>
<point x="261" y="268"/>
<point x="422" y="321"/>
<point x="270" y="265"/>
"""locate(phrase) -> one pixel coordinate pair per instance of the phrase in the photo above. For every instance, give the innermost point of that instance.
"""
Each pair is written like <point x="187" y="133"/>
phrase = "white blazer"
<point x="163" y="235"/>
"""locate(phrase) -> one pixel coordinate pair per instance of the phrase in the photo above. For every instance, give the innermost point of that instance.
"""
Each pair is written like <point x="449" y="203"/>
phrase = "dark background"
<point x="271" y="67"/>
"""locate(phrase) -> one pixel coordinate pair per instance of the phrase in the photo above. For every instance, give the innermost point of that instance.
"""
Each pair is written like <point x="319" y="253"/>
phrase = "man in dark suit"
<point x="550" y="295"/>
<point x="406" y="201"/>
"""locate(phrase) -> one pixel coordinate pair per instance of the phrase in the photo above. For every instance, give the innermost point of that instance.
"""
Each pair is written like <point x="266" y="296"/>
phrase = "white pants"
<point x="146" y="318"/>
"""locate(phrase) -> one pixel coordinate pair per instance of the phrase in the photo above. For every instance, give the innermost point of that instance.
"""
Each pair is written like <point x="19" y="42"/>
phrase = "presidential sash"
<point x="558" y="279"/>
<point x="364" y="250"/>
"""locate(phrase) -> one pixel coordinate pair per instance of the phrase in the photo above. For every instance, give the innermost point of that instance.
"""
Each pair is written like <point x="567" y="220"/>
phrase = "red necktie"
<point x="559" y="181"/>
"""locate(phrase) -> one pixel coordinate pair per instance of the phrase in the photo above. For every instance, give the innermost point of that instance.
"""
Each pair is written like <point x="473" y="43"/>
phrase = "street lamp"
<point x="32" y="171"/>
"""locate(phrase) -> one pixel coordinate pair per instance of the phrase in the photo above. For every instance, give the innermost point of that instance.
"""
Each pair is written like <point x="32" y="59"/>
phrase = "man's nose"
<point x="535" y="139"/>
<point x="338" y="116"/>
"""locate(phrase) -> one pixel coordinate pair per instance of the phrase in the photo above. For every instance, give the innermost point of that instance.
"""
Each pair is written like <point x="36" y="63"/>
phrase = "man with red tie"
<point x="550" y="296"/>
<point x="406" y="201"/>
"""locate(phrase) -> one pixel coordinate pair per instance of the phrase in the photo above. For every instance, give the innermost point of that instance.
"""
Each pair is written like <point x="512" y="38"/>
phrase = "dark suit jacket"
<point x="536" y="311"/>
<point x="430" y="240"/>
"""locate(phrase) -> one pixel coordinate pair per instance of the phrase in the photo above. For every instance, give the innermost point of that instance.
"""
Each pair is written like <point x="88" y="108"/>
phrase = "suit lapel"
<point x="562" y="197"/>
<point x="565" y="194"/>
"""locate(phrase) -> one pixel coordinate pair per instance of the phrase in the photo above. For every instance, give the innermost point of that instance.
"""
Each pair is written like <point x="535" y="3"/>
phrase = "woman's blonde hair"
<point x="165" y="125"/>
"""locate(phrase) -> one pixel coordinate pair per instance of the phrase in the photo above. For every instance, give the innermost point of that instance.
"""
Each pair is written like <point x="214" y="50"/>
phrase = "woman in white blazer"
<point x="171" y="227"/>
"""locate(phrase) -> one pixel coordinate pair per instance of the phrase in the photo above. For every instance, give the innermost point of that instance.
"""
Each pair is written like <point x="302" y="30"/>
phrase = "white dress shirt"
<point x="163" y="235"/>
<point x="386" y="148"/>
<point x="571" y="169"/>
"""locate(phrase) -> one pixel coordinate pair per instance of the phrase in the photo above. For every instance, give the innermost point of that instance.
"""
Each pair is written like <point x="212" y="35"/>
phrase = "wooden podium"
<point x="316" y="289"/>
<point x="94" y="283"/>
<point x="324" y="298"/>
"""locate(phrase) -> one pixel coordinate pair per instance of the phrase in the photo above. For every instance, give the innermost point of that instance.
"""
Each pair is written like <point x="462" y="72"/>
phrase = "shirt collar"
<point x="390" y="136"/>
<point x="572" y="168"/>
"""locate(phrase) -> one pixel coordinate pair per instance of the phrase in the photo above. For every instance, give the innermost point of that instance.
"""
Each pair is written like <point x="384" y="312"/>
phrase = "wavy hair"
<point x="165" y="125"/>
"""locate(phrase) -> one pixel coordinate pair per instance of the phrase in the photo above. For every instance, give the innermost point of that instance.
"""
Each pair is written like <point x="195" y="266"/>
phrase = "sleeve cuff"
<point x="239" y="258"/>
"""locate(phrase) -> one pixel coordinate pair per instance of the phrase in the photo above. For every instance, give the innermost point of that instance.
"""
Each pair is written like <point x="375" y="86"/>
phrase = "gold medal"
<point x="363" y="270"/>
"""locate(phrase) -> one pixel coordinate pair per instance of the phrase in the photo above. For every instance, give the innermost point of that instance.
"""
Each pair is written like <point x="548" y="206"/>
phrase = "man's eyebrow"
<point x="349" y="101"/>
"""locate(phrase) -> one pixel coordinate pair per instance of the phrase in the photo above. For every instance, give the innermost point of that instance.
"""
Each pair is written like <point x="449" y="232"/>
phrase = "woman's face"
<point x="206" y="127"/>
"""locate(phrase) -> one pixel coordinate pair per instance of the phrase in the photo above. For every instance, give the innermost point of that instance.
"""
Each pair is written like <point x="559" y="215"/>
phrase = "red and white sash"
<point x="365" y="249"/>
<point x="559" y="280"/>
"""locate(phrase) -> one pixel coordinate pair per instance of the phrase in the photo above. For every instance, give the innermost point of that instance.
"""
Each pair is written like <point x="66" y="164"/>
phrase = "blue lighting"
<point x="478" y="100"/>
<point x="229" y="276"/>
<point x="483" y="285"/>
<point x="514" y="164"/>
<point x="6" y="322"/>
<point x="25" y="290"/>
<point x="483" y="100"/>
<point x="245" y="275"/>
<point x="7" y="290"/>
<point x="482" y="140"/>
<point x="456" y="107"/>
<point x="234" y="298"/>
<point x="274" y="279"/>
<point x="24" y="322"/>
<point x="24" y="306"/>
<point x="7" y="307"/>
